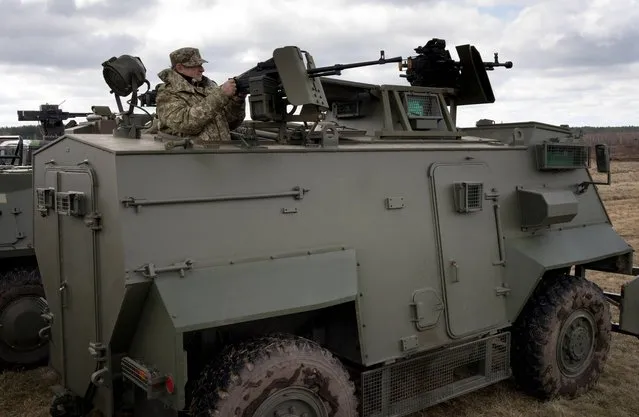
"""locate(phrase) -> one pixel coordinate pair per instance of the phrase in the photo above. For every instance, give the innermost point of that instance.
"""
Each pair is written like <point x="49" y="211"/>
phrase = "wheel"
<point x="272" y="376"/>
<point x="562" y="338"/>
<point x="21" y="306"/>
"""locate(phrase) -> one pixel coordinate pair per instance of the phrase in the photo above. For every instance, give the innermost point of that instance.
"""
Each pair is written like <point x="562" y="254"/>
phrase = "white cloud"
<point x="574" y="61"/>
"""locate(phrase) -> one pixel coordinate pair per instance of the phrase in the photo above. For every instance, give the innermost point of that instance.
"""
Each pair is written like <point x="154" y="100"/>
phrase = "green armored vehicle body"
<point x="359" y="257"/>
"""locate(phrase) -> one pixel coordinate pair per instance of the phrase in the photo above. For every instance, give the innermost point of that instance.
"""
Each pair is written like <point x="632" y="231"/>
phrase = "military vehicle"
<point x="21" y="292"/>
<point x="359" y="257"/>
<point x="22" y="300"/>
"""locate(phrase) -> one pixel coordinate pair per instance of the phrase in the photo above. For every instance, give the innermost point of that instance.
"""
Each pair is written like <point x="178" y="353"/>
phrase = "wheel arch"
<point x="545" y="339"/>
<point x="334" y="328"/>
<point x="531" y="260"/>
<point x="247" y="371"/>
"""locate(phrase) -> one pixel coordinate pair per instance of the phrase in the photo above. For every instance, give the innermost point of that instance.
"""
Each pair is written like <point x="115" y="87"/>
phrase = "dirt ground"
<point x="27" y="394"/>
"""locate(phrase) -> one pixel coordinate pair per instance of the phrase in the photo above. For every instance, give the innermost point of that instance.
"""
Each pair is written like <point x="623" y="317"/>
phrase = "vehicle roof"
<point x="147" y="144"/>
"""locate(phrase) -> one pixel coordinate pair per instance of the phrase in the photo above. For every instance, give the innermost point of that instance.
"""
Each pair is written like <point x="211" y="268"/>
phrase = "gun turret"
<point x="50" y="117"/>
<point x="434" y="67"/>
<point x="285" y="79"/>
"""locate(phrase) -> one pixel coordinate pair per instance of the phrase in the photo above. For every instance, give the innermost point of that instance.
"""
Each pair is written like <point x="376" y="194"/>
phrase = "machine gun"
<point x="269" y="69"/>
<point x="50" y="117"/>
<point x="285" y="71"/>
<point x="434" y="67"/>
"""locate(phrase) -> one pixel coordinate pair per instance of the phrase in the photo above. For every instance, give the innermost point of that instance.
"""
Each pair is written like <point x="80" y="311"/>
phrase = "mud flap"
<point x="628" y="303"/>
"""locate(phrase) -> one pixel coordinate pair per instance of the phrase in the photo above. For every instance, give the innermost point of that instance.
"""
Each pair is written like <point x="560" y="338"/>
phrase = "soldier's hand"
<point x="229" y="87"/>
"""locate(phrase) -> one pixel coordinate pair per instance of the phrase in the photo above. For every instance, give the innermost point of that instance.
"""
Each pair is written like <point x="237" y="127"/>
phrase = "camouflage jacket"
<point x="202" y="112"/>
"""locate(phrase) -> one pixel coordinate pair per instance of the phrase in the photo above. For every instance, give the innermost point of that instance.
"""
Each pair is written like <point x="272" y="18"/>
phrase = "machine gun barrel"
<point x="491" y="65"/>
<point x="337" y="68"/>
<point x="32" y="115"/>
<point x="268" y="68"/>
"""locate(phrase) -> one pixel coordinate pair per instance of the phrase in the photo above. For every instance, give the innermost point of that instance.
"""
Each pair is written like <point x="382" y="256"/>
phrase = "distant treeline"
<point x="610" y="129"/>
<point x="27" y="131"/>
<point x="33" y="131"/>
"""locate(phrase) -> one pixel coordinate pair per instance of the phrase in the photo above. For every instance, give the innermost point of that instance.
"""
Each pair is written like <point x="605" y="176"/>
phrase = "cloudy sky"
<point x="575" y="61"/>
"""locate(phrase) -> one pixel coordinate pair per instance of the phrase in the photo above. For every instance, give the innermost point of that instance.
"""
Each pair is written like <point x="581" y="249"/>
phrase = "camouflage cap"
<point x="189" y="57"/>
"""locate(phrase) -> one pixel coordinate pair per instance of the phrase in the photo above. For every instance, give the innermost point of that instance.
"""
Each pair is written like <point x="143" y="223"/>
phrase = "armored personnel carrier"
<point x="22" y="300"/>
<point x="350" y="252"/>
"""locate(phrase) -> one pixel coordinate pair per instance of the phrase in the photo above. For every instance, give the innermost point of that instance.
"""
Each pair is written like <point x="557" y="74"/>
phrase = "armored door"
<point x="470" y="245"/>
<point x="75" y="301"/>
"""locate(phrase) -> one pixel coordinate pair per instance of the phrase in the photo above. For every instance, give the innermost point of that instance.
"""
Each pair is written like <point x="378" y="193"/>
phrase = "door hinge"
<point x="93" y="221"/>
<point x="502" y="291"/>
<point x="97" y="350"/>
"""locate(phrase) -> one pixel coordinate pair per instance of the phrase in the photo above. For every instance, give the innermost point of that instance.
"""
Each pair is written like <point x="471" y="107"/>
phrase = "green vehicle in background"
<point x="21" y="293"/>
<point x="351" y="252"/>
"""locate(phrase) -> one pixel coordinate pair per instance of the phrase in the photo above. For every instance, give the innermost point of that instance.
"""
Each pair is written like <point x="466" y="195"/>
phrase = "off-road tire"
<point x="536" y="338"/>
<point x="15" y="284"/>
<point x="246" y="374"/>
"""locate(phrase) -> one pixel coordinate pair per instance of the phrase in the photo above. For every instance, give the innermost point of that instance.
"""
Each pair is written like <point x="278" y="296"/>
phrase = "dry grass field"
<point x="27" y="394"/>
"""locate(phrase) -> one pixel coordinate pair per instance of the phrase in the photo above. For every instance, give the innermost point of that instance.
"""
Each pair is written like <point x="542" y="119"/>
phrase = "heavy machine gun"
<point x="269" y="69"/>
<point x="50" y="117"/>
<point x="433" y="66"/>
<point x="284" y="75"/>
<point x="285" y="80"/>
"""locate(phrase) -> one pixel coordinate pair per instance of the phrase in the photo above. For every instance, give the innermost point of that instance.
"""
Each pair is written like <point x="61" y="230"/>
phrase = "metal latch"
<point x="45" y="198"/>
<point x="151" y="271"/>
<point x="93" y="221"/>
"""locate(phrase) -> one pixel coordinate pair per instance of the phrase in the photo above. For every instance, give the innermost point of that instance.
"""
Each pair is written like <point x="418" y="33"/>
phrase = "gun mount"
<point x="376" y="111"/>
<point x="50" y="117"/>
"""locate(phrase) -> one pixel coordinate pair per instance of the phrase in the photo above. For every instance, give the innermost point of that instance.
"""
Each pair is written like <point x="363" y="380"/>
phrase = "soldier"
<point x="189" y="104"/>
